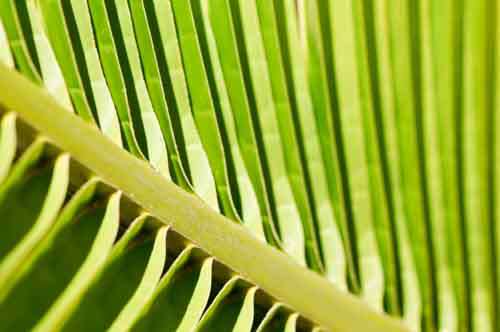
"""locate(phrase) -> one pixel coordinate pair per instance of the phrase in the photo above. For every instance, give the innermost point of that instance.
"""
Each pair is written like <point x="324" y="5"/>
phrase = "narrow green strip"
<point x="155" y="85"/>
<point x="334" y="254"/>
<point x="132" y="231"/>
<point x="17" y="43"/>
<point x="447" y="56"/>
<point x="449" y="318"/>
<point x="54" y="199"/>
<point x="321" y="84"/>
<point x="202" y="104"/>
<point x="27" y="160"/>
<point x="267" y="321"/>
<point x="199" y="166"/>
<point x="147" y="286"/>
<point x="66" y="303"/>
<point x="358" y="159"/>
<point x="61" y="256"/>
<point x="250" y="64"/>
<point x="406" y="65"/>
<point x="58" y="35"/>
<point x="5" y="54"/>
<point x="8" y="143"/>
<point x="151" y="114"/>
<point x="210" y="316"/>
<point x="246" y="315"/>
<point x="180" y="298"/>
<point x="291" y="323"/>
<point x="106" y="111"/>
<point x="144" y="317"/>
<point x="410" y="284"/>
<point x="79" y="199"/>
<point x="251" y="209"/>
<point x="49" y="68"/>
<point x="477" y="125"/>
<point x="496" y="152"/>
<point x="114" y="74"/>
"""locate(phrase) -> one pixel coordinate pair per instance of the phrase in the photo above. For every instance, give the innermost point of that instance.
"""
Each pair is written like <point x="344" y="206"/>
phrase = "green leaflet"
<point x="360" y="157"/>
<point x="80" y="198"/>
<point x="8" y="144"/>
<point x="132" y="232"/>
<point x="405" y="39"/>
<point x="334" y="254"/>
<point x="451" y="318"/>
<point x="252" y="209"/>
<point x="258" y="165"/>
<point x="59" y="37"/>
<point x="103" y="302"/>
<point x="145" y="290"/>
<point x="229" y="311"/>
<point x="49" y="68"/>
<point x="221" y="295"/>
<point x="122" y="91"/>
<point x="155" y="85"/>
<point x="242" y="122"/>
<point x="321" y="83"/>
<point x="279" y="320"/>
<point x="385" y="229"/>
<point x="53" y="201"/>
<point x="477" y="149"/>
<point x="5" y="54"/>
<point x="203" y="105"/>
<point x="496" y="175"/>
<point x="83" y="34"/>
<point x="135" y="284"/>
<point x="162" y="299"/>
<point x="287" y="20"/>
<point x="411" y="306"/>
<point x="22" y="188"/>
<point x="17" y="40"/>
<point x="446" y="38"/>
<point x="291" y="323"/>
<point x="180" y="298"/>
<point x="163" y="26"/>
<point x="53" y="270"/>
<point x="274" y="320"/>
<point x="67" y="301"/>
<point x="246" y="315"/>
<point x="120" y="20"/>
<point x="250" y="64"/>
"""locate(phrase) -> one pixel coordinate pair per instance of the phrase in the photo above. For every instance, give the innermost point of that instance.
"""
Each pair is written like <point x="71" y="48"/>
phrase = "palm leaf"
<point x="87" y="272"/>
<point x="357" y="138"/>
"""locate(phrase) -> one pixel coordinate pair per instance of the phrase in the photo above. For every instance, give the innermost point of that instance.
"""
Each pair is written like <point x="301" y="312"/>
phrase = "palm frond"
<point x="90" y="272"/>
<point x="358" y="138"/>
